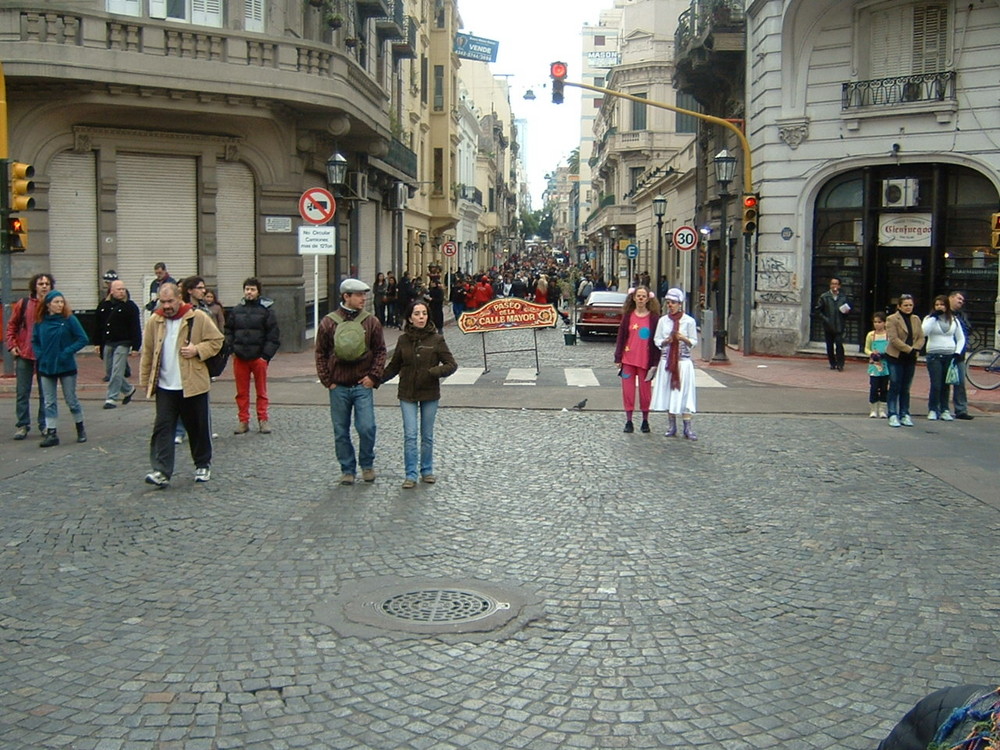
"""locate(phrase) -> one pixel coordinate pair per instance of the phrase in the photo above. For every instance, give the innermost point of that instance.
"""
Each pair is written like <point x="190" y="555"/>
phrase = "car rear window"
<point x="606" y="298"/>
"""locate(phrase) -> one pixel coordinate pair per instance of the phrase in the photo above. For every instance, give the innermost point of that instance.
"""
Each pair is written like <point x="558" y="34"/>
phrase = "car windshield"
<point x="607" y="299"/>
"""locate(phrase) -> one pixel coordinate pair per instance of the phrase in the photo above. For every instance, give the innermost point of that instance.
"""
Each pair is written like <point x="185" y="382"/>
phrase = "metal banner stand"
<point x="534" y="335"/>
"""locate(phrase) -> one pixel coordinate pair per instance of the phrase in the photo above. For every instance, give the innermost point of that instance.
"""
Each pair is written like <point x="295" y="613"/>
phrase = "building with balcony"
<point x="873" y="128"/>
<point x="601" y="53"/>
<point x="186" y="133"/>
<point x="636" y="146"/>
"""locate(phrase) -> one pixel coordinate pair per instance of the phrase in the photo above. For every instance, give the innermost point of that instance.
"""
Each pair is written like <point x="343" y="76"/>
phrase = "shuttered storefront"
<point x="157" y="217"/>
<point x="236" y="240"/>
<point x="73" y="229"/>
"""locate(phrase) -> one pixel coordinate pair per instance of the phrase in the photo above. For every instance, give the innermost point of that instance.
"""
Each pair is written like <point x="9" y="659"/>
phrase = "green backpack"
<point x="349" y="340"/>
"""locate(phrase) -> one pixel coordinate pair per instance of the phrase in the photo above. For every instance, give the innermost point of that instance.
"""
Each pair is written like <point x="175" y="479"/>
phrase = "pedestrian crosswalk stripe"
<point x="521" y="376"/>
<point x="465" y="376"/>
<point x="581" y="377"/>
<point x="574" y="377"/>
<point x="703" y="380"/>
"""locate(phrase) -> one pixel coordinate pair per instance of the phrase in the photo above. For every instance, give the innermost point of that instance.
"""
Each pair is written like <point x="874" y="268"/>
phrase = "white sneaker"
<point x="157" y="478"/>
<point x="178" y="440"/>
<point x="906" y="421"/>
<point x="202" y="474"/>
<point x="932" y="416"/>
<point x="873" y="414"/>
<point x="893" y="420"/>
<point x="946" y="416"/>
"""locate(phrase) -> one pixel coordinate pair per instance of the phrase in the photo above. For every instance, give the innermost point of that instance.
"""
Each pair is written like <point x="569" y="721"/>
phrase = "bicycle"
<point x="982" y="369"/>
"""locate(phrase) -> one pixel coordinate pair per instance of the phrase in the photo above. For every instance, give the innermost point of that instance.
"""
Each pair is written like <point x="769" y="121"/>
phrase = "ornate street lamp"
<point x="659" y="209"/>
<point x="336" y="169"/>
<point x="725" y="169"/>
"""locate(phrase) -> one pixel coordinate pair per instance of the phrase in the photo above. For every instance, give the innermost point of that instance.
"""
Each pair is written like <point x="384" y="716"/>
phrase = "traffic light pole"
<point x="749" y="263"/>
<point x="6" y="272"/>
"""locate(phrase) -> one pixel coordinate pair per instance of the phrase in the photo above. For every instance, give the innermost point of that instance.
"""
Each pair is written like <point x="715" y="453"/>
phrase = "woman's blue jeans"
<point x="418" y="414"/>
<point x="69" y="394"/>
<point x="900" y="377"/>
<point x="937" y="369"/>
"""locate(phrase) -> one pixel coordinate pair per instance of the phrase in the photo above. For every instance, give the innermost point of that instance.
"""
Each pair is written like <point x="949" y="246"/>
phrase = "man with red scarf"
<point x="175" y="344"/>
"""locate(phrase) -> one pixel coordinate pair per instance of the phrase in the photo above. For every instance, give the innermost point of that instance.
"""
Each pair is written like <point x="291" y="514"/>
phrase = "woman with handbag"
<point x="906" y="337"/>
<point x="945" y="343"/>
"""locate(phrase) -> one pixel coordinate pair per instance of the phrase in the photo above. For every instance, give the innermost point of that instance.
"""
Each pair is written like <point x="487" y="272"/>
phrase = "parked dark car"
<point x="601" y="313"/>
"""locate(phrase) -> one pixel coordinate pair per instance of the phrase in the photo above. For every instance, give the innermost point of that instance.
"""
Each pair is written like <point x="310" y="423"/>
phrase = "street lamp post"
<point x="336" y="177"/>
<point x="612" y="262"/>
<point x="659" y="209"/>
<point x="725" y="169"/>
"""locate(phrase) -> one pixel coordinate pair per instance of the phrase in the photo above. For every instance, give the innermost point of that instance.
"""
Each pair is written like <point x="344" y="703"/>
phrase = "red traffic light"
<point x="749" y="201"/>
<point x="558" y="70"/>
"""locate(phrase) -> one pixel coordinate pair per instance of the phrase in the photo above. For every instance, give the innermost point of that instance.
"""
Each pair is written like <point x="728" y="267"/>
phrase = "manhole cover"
<point x="427" y="607"/>
<point x="440" y="605"/>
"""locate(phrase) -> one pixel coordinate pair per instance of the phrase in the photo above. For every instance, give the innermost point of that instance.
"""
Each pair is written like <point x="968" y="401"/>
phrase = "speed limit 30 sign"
<point x="686" y="238"/>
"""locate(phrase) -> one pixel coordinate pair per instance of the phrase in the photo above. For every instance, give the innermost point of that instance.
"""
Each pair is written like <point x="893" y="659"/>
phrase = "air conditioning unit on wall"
<point x="900" y="193"/>
<point x="357" y="183"/>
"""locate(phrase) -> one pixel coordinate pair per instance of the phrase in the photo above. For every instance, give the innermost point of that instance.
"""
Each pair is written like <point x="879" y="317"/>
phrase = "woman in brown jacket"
<point x="421" y="359"/>
<point x="906" y="337"/>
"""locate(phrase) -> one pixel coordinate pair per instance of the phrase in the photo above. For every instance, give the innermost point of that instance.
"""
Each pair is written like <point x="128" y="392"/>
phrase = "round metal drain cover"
<point x="440" y="605"/>
<point x="426" y="607"/>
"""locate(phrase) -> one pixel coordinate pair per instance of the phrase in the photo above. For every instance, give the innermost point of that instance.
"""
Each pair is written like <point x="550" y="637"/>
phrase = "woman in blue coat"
<point x="56" y="338"/>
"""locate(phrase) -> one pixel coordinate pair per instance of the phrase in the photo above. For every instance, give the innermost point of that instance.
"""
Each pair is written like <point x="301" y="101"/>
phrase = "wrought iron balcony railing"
<point x="927" y="87"/>
<point x="707" y="15"/>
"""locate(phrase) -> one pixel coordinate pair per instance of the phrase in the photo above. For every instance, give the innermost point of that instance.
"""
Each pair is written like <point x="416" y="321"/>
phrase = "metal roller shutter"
<point x="157" y="218"/>
<point x="73" y="229"/>
<point x="236" y="242"/>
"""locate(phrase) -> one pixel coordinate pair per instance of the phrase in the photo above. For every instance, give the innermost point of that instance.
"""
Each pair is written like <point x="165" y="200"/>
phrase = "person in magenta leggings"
<point x="636" y="354"/>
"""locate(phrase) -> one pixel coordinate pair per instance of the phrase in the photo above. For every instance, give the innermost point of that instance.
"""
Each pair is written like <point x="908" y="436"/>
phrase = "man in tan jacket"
<point x="176" y="341"/>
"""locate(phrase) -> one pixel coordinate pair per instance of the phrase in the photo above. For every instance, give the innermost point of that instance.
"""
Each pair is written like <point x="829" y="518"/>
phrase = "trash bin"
<point x="570" y="338"/>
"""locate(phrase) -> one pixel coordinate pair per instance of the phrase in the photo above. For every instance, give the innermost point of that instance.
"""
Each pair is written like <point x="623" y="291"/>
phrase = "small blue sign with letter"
<point x="632" y="251"/>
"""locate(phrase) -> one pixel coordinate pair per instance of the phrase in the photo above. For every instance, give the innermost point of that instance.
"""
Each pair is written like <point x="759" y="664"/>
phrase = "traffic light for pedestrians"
<point x="21" y="186"/>
<point x="557" y="71"/>
<point x="17" y="234"/>
<point x="750" y="213"/>
<point x="995" y="224"/>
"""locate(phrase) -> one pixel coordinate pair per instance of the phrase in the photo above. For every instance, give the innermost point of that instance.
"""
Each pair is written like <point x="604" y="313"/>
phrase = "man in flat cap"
<point x="350" y="359"/>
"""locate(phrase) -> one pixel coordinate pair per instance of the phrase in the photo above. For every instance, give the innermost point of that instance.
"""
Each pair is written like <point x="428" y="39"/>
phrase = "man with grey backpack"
<point x="350" y="359"/>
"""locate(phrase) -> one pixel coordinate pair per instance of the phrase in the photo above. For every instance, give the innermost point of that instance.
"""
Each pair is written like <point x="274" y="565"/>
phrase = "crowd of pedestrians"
<point x="188" y="327"/>
<point x="893" y="347"/>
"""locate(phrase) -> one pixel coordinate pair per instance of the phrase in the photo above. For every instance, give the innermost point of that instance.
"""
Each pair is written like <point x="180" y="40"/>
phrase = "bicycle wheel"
<point x="982" y="369"/>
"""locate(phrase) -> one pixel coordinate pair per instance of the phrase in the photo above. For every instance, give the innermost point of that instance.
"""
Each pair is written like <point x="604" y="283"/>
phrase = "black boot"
<point x="49" y="438"/>
<point x="645" y="426"/>
<point x="629" y="427"/>
<point x="81" y="433"/>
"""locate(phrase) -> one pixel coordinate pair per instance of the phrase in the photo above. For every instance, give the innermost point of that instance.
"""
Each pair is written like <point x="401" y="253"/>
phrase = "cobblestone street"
<point x="738" y="591"/>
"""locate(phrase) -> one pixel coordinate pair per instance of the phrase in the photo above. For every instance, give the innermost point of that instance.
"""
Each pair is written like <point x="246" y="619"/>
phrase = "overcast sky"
<point x="532" y="34"/>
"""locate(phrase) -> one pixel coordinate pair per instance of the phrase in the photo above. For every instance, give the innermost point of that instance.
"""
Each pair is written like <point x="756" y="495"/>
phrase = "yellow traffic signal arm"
<point x="744" y="144"/>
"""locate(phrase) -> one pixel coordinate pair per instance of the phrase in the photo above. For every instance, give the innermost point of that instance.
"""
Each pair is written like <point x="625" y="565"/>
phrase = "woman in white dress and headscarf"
<point x="676" y="335"/>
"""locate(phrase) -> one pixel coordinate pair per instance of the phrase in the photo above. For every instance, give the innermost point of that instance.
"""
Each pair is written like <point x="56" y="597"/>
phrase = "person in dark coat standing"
<point x="832" y="308"/>
<point x="421" y="359"/>
<point x="435" y="298"/>
<point x="253" y="337"/>
<point x="119" y="332"/>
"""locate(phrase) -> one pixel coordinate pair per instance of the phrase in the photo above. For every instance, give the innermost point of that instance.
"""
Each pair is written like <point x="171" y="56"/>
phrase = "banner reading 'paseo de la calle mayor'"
<point x="505" y="314"/>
